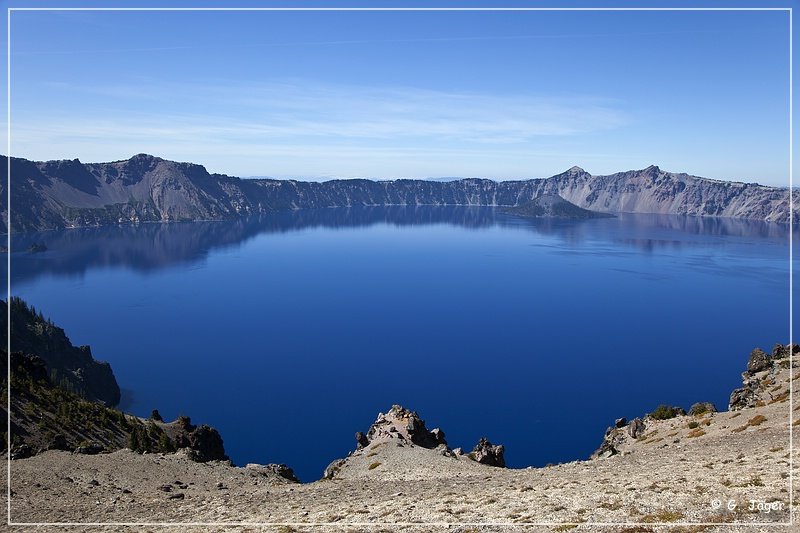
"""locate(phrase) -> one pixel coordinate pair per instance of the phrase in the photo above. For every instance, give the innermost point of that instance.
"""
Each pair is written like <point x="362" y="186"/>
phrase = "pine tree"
<point x="133" y="440"/>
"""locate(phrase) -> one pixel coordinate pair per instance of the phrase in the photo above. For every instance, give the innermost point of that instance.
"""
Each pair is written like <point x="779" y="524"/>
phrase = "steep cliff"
<point x="60" y="399"/>
<point x="56" y="194"/>
<point x="72" y="367"/>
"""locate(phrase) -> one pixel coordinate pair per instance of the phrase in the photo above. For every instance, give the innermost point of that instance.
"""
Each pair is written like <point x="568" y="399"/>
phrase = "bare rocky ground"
<point x="667" y="479"/>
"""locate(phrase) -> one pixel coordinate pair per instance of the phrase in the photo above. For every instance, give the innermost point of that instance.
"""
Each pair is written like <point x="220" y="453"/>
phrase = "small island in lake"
<point x="553" y="206"/>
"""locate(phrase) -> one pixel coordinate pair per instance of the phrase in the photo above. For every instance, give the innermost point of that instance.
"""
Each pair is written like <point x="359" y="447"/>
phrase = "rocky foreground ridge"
<point x="76" y="459"/>
<point x="670" y="470"/>
<point x="63" y="194"/>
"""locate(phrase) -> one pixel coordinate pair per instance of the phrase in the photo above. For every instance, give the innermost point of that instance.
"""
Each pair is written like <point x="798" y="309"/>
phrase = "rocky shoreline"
<point x="702" y="470"/>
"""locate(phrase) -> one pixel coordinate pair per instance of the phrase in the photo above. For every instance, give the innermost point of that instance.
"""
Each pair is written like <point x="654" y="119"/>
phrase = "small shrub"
<point x="374" y="465"/>
<point x="701" y="408"/>
<point x="665" y="412"/>
<point x="693" y="425"/>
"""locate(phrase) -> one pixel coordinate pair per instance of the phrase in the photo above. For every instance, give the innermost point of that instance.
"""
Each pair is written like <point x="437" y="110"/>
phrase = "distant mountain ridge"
<point x="144" y="188"/>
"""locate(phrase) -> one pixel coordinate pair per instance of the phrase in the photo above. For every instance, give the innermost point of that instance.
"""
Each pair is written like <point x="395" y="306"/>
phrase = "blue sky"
<point x="407" y="94"/>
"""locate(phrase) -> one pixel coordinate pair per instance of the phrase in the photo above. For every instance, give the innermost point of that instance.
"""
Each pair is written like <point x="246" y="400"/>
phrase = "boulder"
<point x="744" y="397"/>
<point x="361" y="440"/>
<point x="488" y="454"/>
<point x="636" y="428"/>
<point x="22" y="451"/>
<point x="280" y="469"/>
<point x="204" y="441"/>
<point x="611" y="442"/>
<point x="759" y="361"/>
<point x="442" y="449"/>
<point x="620" y="422"/>
<point x="91" y="448"/>
<point x="438" y="436"/>
<point x="781" y="351"/>
<point x="333" y="468"/>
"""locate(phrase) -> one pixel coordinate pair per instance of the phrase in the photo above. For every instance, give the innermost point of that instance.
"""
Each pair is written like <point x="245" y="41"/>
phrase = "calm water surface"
<point x="291" y="332"/>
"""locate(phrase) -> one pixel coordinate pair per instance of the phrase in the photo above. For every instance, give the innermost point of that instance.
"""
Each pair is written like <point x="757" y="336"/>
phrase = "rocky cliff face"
<point x="71" y="367"/>
<point x="61" y="399"/>
<point x="46" y="416"/>
<point x="56" y="194"/>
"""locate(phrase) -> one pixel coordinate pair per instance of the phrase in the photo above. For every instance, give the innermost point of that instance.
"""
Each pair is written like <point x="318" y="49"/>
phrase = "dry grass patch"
<point x="755" y="421"/>
<point x="696" y="433"/>
<point x="782" y="397"/>
<point x="374" y="465"/>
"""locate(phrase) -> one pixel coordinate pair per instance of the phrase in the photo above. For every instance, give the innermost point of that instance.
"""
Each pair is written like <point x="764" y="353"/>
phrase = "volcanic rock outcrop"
<point x="402" y="427"/>
<point x="761" y="367"/>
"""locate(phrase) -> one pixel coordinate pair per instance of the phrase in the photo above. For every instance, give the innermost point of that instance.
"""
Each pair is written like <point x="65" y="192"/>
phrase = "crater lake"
<point x="290" y="332"/>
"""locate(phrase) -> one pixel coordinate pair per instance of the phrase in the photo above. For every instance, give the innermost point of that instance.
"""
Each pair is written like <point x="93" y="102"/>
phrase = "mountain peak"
<point x="144" y="157"/>
<point x="576" y="170"/>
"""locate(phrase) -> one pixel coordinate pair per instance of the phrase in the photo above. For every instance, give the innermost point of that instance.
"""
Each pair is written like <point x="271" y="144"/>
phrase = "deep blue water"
<point x="291" y="332"/>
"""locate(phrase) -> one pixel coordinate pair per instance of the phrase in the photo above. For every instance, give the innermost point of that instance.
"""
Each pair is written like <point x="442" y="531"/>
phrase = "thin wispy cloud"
<point x="289" y="111"/>
<point x="309" y="128"/>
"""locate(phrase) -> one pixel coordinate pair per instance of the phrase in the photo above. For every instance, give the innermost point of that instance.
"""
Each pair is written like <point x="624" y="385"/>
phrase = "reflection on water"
<point x="150" y="247"/>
